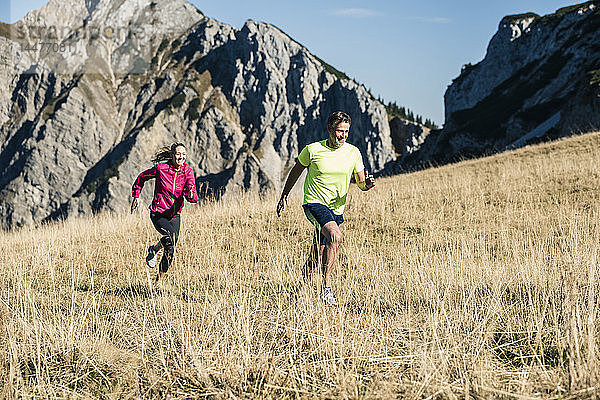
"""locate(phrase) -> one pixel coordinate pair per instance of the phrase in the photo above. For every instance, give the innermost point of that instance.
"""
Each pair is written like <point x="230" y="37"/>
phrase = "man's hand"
<point x="134" y="204"/>
<point x="369" y="181"/>
<point x="281" y="204"/>
<point x="364" y="180"/>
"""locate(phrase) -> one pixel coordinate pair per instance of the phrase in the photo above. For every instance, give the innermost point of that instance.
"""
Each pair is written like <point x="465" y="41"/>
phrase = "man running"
<point x="330" y="164"/>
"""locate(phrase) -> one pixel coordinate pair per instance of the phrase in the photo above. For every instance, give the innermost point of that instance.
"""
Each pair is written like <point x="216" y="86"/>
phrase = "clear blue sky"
<point x="404" y="51"/>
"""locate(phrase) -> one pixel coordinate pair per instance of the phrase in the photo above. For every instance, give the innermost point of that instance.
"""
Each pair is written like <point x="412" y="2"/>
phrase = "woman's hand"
<point x="134" y="204"/>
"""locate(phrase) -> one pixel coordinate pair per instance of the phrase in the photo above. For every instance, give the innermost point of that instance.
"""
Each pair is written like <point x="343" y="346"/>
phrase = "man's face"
<point x="339" y="135"/>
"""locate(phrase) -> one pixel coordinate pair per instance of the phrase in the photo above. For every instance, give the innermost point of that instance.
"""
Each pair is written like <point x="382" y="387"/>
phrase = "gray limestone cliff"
<point x="92" y="88"/>
<point x="539" y="80"/>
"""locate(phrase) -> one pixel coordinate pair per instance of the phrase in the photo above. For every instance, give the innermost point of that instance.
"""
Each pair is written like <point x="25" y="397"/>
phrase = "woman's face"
<point x="179" y="156"/>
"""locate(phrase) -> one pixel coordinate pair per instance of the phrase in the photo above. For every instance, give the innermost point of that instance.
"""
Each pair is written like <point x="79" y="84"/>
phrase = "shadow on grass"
<point x="134" y="290"/>
<point x="138" y="290"/>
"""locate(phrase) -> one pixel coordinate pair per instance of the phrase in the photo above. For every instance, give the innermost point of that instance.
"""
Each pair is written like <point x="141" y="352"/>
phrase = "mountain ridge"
<point x="533" y="84"/>
<point x="78" y="124"/>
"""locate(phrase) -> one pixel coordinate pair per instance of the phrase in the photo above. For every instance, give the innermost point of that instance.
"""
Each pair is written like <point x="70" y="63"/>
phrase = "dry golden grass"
<point x="475" y="280"/>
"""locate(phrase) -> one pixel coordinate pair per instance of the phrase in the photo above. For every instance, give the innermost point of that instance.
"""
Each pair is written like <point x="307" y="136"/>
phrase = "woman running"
<point x="174" y="181"/>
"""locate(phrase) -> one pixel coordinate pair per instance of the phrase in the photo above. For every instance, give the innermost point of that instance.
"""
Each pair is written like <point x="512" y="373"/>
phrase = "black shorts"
<point x="319" y="215"/>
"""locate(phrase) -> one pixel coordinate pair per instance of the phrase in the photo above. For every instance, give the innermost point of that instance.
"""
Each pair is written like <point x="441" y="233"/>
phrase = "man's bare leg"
<point x="315" y="257"/>
<point x="332" y="233"/>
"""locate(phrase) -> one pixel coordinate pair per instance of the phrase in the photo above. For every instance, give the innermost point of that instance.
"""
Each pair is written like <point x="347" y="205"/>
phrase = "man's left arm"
<point x="361" y="176"/>
<point x="364" y="180"/>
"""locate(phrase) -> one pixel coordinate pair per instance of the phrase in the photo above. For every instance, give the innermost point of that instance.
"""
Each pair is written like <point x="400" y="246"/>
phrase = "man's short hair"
<point x="335" y="118"/>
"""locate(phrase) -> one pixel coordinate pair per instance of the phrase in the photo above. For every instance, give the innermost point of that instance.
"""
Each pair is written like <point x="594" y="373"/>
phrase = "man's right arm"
<point x="289" y="184"/>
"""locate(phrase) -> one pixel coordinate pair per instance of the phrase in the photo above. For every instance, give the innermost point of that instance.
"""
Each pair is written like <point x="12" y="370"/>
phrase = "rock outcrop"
<point x="538" y="81"/>
<point x="92" y="88"/>
<point x="407" y="136"/>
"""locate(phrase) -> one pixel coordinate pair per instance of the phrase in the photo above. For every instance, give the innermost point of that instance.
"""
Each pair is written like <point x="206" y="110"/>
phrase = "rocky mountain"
<point x="539" y="80"/>
<point x="92" y="88"/>
<point x="407" y="136"/>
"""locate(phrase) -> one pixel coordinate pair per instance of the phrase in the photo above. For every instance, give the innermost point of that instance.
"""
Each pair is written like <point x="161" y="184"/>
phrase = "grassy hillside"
<point x="478" y="279"/>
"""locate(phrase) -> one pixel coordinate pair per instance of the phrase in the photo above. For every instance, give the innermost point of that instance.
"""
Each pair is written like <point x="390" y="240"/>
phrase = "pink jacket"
<point x="170" y="188"/>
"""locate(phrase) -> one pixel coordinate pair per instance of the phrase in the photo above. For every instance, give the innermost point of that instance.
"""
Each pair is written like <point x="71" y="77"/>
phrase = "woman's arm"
<point x="190" y="192"/>
<point x="136" y="189"/>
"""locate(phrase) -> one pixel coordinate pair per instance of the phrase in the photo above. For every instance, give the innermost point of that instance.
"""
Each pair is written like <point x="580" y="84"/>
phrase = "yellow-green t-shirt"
<point x="329" y="173"/>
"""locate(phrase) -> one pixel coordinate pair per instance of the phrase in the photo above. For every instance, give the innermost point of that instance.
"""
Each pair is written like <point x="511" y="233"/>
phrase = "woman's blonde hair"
<point x="166" y="153"/>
